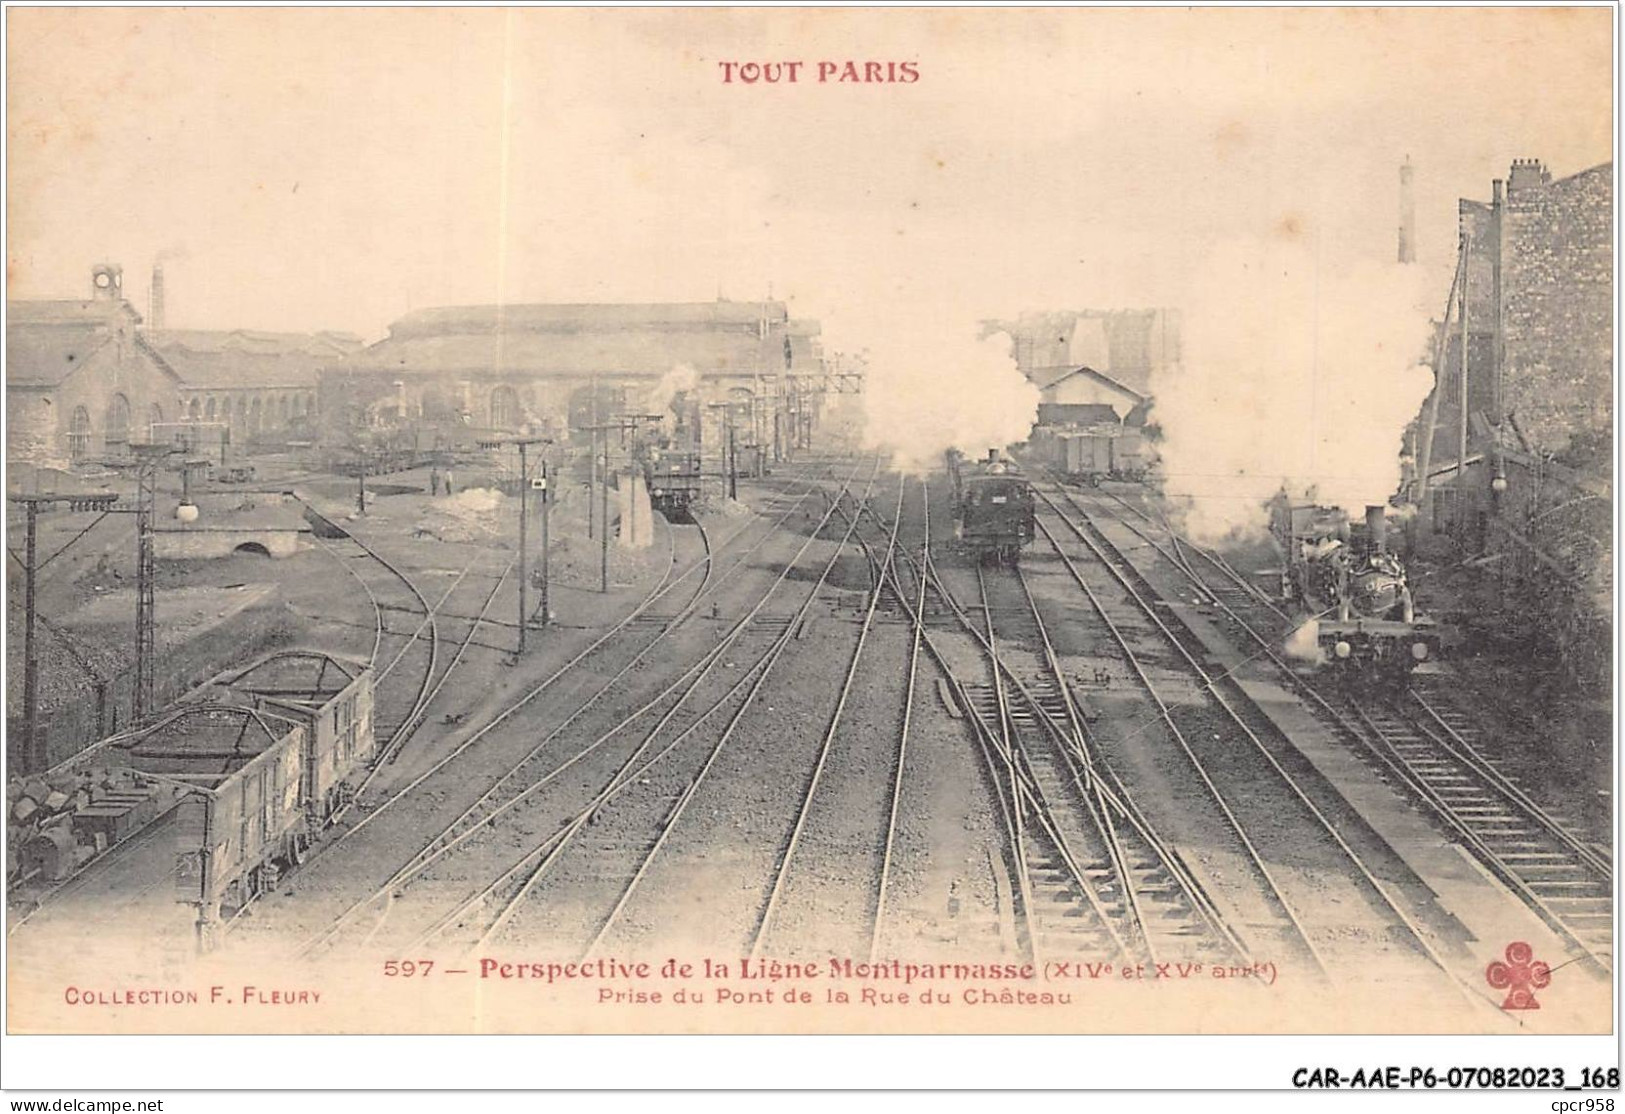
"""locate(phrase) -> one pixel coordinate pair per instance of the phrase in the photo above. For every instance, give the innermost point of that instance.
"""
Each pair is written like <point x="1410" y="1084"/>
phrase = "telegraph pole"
<point x="33" y="750"/>
<point x="547" y="499"/>
<point x="33" y="761"/>
<point x="603" y="520"/>
<point x="523" y="444"/>
<point x="727" y="409"/>
<point x="624" y="424"/>
<point x="524" y="569"/>
<point x="146" y="573"/>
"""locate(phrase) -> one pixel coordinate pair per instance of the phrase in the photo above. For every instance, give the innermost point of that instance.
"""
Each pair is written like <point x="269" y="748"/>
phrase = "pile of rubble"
<point x="55" y="823"/>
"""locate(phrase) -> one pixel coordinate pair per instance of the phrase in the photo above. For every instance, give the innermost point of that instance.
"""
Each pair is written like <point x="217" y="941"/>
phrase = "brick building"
<point x="82" y="382"/>
<point x="1512" y="452"/>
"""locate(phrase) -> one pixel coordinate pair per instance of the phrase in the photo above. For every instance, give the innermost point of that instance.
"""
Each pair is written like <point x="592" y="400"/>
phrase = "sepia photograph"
<point x="812" y="521"/>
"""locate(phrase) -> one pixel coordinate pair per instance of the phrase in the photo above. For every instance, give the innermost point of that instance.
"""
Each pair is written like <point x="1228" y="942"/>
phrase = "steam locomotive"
<point x="993" y="506"/>
<point x="674" y="481"/>
<point x="1352" y="590"/>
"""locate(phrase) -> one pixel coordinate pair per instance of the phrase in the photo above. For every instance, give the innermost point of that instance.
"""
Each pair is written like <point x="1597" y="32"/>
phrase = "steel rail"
<point x="782" y="869"/>
<point x="918" y="632"/>
<point x="1458" y="747"/>
<point x="1376" y="741"/>
<point x="676" y="814"/>
<point x="1376" y="884"/>
<point x="388" y="754"/>
<point x="658" y="592"/>
<point x="552" y="847"/>
<point x="1114" y="799"/>
<point x="445" y="841"/>
<point x="1014" y="747"/>
<point x="1082" y="774"/>
<point x="1200" y="768"/>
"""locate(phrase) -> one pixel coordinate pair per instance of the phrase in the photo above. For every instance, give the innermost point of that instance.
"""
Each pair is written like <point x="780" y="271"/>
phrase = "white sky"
<point x="312" y="168"/>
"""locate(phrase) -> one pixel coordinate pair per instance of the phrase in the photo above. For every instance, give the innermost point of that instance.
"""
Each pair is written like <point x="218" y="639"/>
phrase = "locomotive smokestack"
<point x="992" y="456"/>
<point x="1376" y="528"/>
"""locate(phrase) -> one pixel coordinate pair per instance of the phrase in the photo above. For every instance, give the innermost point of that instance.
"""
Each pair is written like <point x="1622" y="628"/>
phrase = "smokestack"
<point x="992" y="456"/>
<point x="155" y="300"/>
<point x="1376" y="527"/>
<point x="1407" y="214"/>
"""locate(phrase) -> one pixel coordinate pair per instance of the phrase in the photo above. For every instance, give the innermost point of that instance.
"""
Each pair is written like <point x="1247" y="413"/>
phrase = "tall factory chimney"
<point x="155" y="300"/>
<point x="1407" y="214"/>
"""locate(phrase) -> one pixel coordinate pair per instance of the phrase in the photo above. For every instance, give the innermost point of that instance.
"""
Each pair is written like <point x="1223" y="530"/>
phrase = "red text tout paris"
<point x="826" y="73"/>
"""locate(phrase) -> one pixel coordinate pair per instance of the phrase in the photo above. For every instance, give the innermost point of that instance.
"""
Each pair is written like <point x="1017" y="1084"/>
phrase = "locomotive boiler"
<point x="1350" y="589"/>
<point x="993" y="506"/>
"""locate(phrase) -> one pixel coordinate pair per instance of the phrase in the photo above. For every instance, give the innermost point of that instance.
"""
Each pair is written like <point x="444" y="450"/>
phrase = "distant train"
<point x="1344" y="578"/>
<point x="993" y="506"/>
<point x="1091" y="454"/>
<point x="674" y="480"/>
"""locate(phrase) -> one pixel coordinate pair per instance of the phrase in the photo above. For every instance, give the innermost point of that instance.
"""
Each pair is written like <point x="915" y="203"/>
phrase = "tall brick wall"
<point x="1557" y="305"/>
<point x="1550" y="530"/>
<point x="31" y="429"/>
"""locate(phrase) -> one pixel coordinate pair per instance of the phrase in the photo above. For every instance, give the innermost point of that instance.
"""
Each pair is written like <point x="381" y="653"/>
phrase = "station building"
<point x="552" y="370"/>
<point x="85" y="379"/>
<point x="260" y="385"/>
<point x="82" y="381"/>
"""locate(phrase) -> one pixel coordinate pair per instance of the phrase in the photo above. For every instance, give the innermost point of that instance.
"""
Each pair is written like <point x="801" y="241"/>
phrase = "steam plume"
<point x="1297" y="371"/>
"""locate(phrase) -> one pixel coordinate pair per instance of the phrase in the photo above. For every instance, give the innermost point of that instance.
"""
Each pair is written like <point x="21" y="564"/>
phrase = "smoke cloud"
<point x="1299" y="370"/>
<point x="661" y="396"/>
<point x="941" y="385"/>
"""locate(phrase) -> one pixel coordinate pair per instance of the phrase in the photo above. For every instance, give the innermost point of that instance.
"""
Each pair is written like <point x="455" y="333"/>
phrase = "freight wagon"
<point x="332" y="698"/>
<point x="239" y="821"/>
<point x="264" y="761"/>
<point x="1091" y="455"/>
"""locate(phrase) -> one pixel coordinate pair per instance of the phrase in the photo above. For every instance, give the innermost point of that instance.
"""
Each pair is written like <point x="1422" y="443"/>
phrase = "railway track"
<point x="1301" y="839"/>
<point x="389" y="591"/>
<point x="398" y="738"/>
<point x="877" y="936"/>
<point x="1093" y="877"/>
<point x="621" y="828"/>
<point x="807" y="893"/>
<point x="518" y="780"/>
<point x="1568" y="883"/>
<point x="1430" y="752"/>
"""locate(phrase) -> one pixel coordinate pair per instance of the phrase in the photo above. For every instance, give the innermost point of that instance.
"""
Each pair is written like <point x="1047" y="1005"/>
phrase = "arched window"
<point x="310" y="404"/>
<point x="255" y="417"/>
<point x="155" y="417"/>
<point x="282" y="409"/>
<point x="505" y="411"/>
<point x="118" y="424"/>
<point x="299" y="406"/>
<point x="194" y="412"/>
<point x="209" y="410"/>
<point x="242" y="413"/>
<point x="79" y="434"/>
